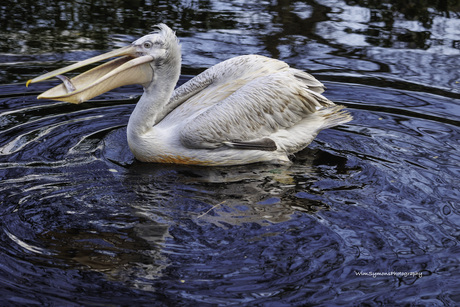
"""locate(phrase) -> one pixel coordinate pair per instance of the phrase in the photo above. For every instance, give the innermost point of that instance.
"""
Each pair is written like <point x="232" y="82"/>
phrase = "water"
<point x="83" y="223"/>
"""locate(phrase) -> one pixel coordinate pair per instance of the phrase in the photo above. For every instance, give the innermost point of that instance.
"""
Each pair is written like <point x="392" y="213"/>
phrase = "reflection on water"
<point x="83" y="223"/>
<point x="91" y="24"/>
<point x="328" y="36"/>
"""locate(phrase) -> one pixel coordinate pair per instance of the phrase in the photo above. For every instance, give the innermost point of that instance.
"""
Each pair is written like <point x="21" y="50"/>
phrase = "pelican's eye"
<point x="148" y="45"/>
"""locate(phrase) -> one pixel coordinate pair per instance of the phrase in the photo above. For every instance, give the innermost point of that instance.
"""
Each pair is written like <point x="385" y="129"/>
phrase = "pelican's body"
<point x="244" y="110"/>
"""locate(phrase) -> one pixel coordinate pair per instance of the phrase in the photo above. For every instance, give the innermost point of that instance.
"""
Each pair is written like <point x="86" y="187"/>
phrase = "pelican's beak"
<point x="128" y="68"/>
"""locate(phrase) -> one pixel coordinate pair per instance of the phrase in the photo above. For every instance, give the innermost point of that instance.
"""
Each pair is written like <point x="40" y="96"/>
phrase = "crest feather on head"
<point x="168" y="39"/>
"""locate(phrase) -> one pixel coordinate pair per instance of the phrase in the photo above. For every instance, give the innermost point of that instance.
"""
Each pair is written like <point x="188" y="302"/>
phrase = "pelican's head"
<point x="155" y="54"/>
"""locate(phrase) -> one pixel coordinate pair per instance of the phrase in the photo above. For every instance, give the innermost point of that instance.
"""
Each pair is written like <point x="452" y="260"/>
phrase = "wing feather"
<point x="259" y="108"/>
<point x="216" y="83"/>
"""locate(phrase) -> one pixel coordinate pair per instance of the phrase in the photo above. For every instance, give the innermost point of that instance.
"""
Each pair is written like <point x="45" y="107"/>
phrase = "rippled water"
<point x="83" y="223"/>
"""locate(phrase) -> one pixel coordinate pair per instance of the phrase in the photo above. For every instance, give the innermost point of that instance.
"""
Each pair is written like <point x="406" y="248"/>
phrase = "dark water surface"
<point x="368" y="214"/>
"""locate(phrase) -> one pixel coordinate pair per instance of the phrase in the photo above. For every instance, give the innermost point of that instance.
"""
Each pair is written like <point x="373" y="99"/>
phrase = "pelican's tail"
<point x="334" y="116"/>
<point x="300" y="135"/>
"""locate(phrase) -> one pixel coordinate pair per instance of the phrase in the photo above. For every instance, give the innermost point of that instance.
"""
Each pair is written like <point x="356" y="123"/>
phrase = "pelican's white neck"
<point x="150" y="108"/>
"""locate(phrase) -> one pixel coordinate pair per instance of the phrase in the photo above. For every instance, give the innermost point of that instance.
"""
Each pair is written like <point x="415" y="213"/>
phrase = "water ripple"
<point x="84" y="223"/>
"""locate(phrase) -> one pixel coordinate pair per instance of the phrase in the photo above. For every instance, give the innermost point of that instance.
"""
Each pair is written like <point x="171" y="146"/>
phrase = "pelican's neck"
<point x="149" y="109"/>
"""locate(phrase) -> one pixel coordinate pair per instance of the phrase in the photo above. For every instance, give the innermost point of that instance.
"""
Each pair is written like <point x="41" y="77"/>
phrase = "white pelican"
<point x="244" y="110"/>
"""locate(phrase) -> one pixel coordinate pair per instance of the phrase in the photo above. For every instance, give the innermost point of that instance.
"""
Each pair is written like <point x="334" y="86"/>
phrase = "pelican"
<point x="247" y="109"/>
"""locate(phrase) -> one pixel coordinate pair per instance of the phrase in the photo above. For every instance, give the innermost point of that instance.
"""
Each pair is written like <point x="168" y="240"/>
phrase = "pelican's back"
<point x="252" y="102"/>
